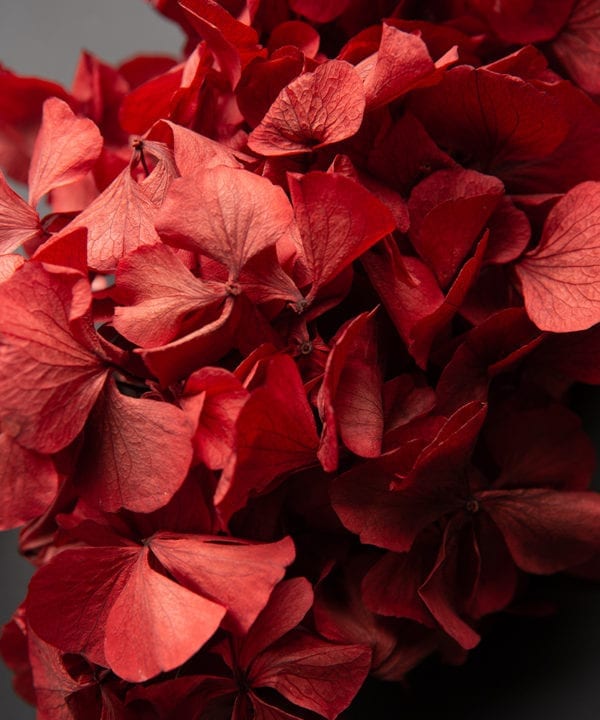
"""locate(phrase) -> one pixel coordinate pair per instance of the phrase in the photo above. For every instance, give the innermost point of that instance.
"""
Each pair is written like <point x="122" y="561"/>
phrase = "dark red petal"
<point x="315" y="109"/>
<point x="287" y="606"/>
<point x="448" y="212"/>
<point x="240" y="576"/>
<point x="546" y="531"/>
<point x="126" y="444"/>
<point x="560" y="277"/>
<point x="313" y="673"/>
<point x="350" y="398"/>
<point x="155" y="625"/>
<point x="65" y="150"/>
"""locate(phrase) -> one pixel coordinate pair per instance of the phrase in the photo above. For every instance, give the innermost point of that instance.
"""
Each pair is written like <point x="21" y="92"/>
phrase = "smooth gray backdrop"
<point x="526" y="669"/>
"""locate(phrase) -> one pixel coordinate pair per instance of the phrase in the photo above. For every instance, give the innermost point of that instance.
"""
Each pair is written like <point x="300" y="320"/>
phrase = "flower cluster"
<point x="283" y="373"/>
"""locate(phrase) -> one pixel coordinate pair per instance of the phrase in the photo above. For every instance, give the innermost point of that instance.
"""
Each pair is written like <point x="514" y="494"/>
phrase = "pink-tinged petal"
<point x="233" y="43"/>
<point x="155" y="625"/>
<point x="193" y="152"/>
<point x="546" y="531"/>
<point x="65" y="150"/>
<point x="312" y="673"/>
<point x="238" y="575"/>
<point x="441" y="592"/>
<point x="204" y="346"/>
<point x="159" y="294"/>
<point x="28" y="483"/>
<point x="126" y="444"/>
<point x="338" y="221"/>
<point x="21" y="102"/>
<point x="275" y="434"/>
<point x="51" y="367"/>
<point x="578" y="45"/>
<point x="448" y="212"/>
<point x="287" y="606"/>
<point x="401" y="64"/>
<point x="228" y="214"/>
<point x="212" y="401"/>
<point x="320" y="11"/>
<point x="560" y="277"/>
<point x="70" y="598"/>
<point x="316" y="109"/>
<point x="118" y="221"/>
<point x="350" y="398"/>
<point x="19" y="222"/>
<point x="9" y="264"/>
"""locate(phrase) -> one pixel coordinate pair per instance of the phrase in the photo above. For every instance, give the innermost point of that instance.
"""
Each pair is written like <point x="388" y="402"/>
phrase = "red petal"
<point x="127" y="442"/>
<point x="233" y="43"/>
<point x="578" y="46"/>
<point x="28" y="483"/>
<point x="237" y="575"/>
<point x="313" y="673"/>
<point x="320" y="11"/>
<point x="51" y="371"/>
<point x="560" y="277"/>
<point x="546" y="531"/>
<point x="517" y="22"/>
<point x="316" y="109"/>
<point x="448" y="212"/>
<point x="401" y="64"/>
<point x="18" y="221"/>
<point x="275" y="434"/>
<point x="338" y="221"/>
<point x="229" y="215"/>
<point x="159" y="293"/>
<point x="65" y="150"/>
<point x="155" y="625"/>
<point x="70" y="598"/>
<point x="212" y="400"/>
<point x="350" y="399"/>
<point x="287" y="606"/>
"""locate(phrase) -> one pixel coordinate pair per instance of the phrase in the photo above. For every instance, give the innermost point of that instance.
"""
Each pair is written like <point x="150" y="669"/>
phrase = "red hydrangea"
<point x="284" y="372"/>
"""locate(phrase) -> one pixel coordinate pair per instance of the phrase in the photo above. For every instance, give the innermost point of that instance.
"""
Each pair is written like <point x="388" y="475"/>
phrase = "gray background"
<point x="526" y="669"/>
